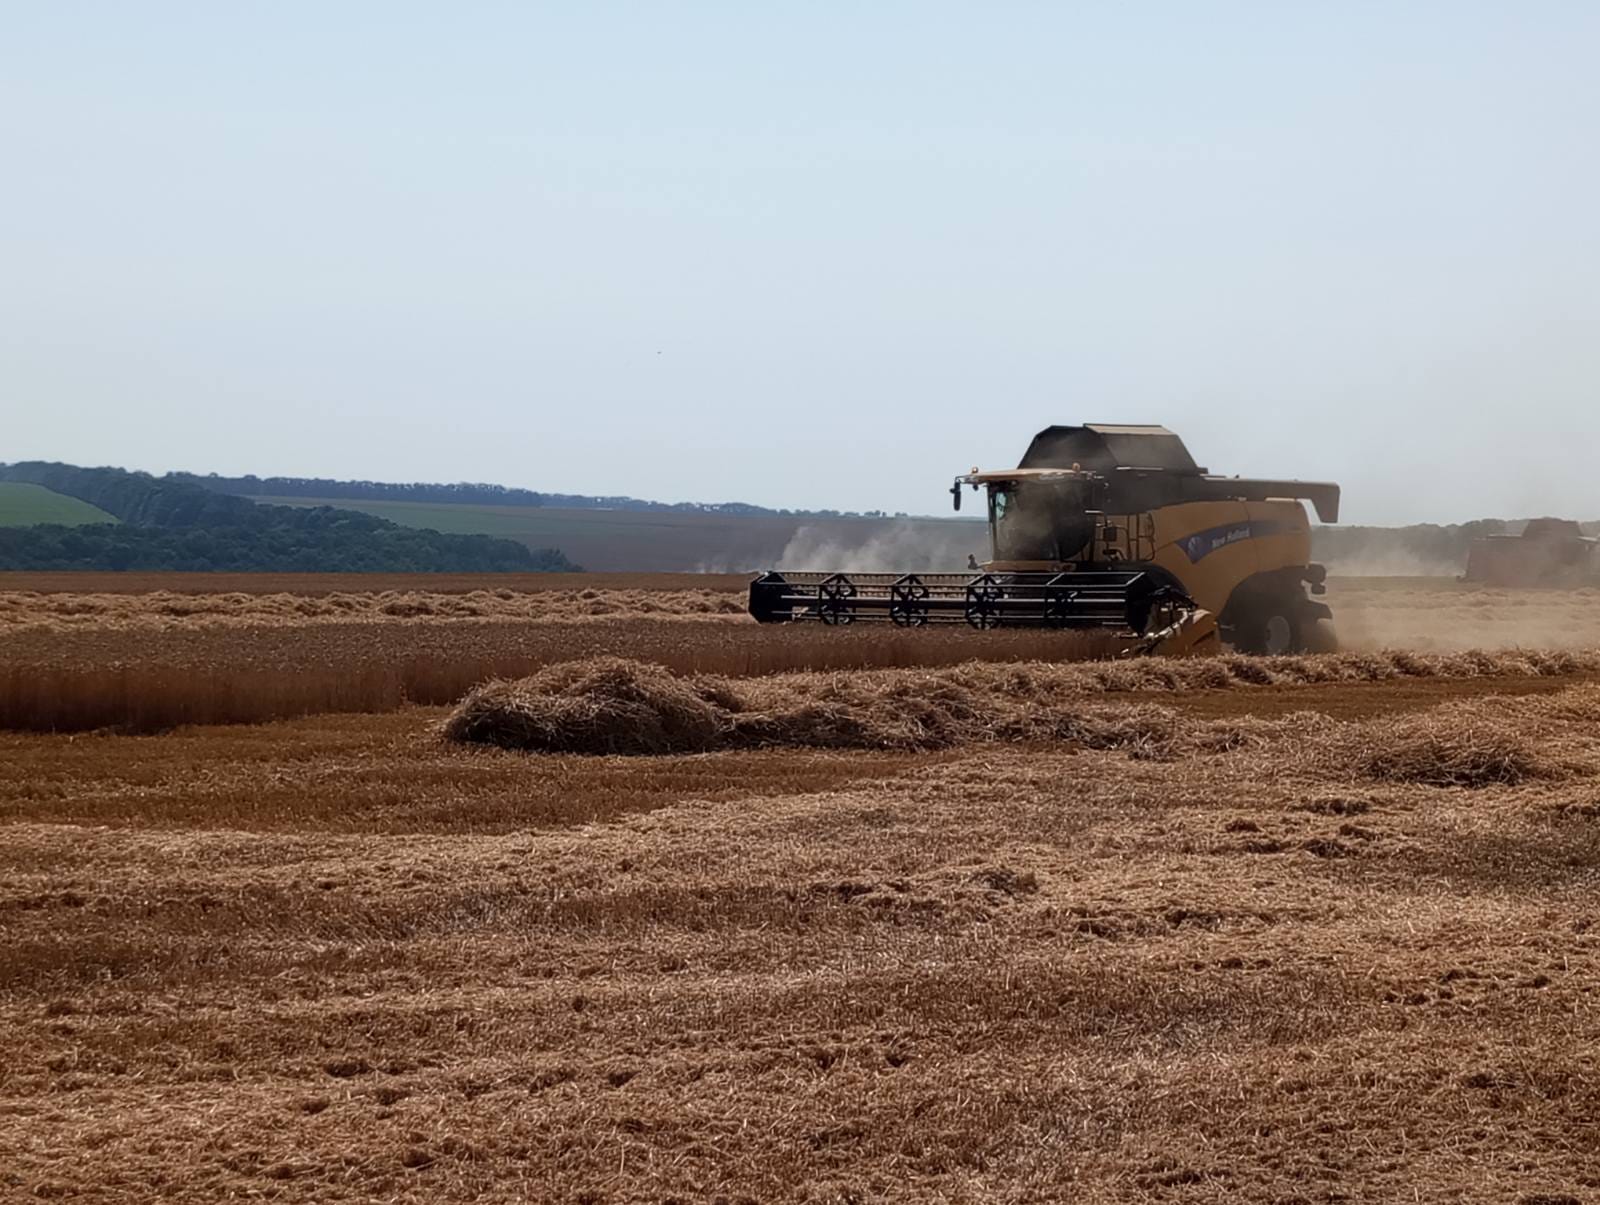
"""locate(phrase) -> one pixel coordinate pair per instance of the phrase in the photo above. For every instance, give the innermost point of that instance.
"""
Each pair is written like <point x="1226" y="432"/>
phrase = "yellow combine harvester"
<point x="1108" y="527"/>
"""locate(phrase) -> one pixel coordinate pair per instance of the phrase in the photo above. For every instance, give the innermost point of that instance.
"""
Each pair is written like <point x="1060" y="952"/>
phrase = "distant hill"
<point x="23" y="504"/>
<point x="328" y="490"/>
<point x="640" y="541"/>
<point x="167" y="524"/>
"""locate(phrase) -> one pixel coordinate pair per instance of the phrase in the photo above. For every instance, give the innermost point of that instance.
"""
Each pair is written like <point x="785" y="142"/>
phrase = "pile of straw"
<point x="608" y="705"/>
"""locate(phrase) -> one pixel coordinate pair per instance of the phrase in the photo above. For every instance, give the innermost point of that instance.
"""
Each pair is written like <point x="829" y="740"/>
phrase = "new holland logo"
<point x="1203" y="543"/>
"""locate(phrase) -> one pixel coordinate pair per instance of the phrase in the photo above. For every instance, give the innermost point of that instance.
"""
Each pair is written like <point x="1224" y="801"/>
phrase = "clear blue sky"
<point x="806" y="254"/>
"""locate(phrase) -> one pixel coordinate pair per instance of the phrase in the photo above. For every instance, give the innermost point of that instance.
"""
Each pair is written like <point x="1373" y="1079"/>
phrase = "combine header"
<point x="1110" y="528"/>
<point x="1122" y="601"/>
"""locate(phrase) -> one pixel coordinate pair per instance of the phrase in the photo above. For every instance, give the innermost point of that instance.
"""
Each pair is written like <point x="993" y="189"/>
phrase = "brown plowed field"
<point x="1317" y="929"/>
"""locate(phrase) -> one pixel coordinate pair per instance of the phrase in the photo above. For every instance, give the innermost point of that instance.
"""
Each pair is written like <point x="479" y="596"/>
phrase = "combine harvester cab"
<point x="1111" y="528"/>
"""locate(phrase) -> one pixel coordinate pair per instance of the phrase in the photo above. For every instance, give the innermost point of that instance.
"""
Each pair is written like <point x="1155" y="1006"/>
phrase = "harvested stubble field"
<point x="1439" y="614"/>
<point x="1314" y="929"/>
<point x="1330" y="941"/>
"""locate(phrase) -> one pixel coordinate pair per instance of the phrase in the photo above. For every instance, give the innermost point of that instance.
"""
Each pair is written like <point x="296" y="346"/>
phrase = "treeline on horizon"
<point x="481" y="494"/>
<point x="169" y="524"/>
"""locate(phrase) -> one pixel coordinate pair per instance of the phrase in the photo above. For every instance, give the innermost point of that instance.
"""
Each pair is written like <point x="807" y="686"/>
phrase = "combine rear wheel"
<point x="1268" y="628"/>
<point x="1271" y="616"/>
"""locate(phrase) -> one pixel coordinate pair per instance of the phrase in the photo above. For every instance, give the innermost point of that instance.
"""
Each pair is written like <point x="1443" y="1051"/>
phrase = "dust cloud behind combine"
<point x="903" y="547"/>
<point x="1382" y="559"/>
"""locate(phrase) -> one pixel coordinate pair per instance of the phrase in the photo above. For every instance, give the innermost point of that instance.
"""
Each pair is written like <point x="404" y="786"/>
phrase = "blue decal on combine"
<point x="1203" y="543"/>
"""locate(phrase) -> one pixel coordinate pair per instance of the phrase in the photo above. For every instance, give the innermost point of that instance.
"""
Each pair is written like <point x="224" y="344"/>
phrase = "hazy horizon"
<point x="820" y="258"/>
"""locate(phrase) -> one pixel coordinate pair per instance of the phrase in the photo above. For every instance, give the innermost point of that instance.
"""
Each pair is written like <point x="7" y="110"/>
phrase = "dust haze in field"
<point x="1443" y="615"/>
<point x="903" y="546"/>
<point x="1382" y="559"/>
<point x="1420" y="550"/>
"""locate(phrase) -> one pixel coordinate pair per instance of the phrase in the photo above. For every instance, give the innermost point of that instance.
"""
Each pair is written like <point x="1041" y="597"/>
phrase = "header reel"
<point x="1131" y="603"/>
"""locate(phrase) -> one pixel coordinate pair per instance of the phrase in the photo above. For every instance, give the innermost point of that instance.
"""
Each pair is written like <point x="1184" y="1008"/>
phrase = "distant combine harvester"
<point x="1549" y="552"/>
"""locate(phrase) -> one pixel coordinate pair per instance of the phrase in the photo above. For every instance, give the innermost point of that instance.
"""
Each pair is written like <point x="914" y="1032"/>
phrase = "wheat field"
<point x="1264" y="930"/>
<point x="146" y="652"/>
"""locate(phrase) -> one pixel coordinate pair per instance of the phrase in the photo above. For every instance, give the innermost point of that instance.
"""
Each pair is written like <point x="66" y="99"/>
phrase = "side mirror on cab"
<point x="955" y="495"/>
